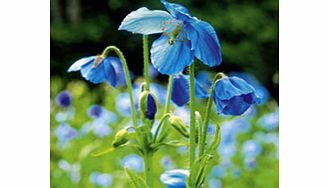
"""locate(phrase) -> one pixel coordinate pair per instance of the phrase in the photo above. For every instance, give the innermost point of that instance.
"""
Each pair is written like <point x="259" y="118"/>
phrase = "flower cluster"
<point x="185" y="40"/>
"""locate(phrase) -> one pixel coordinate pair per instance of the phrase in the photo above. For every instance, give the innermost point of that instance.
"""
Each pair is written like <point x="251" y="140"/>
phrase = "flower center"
<point x="173" y="29"/>
<point x="98" y="60"/>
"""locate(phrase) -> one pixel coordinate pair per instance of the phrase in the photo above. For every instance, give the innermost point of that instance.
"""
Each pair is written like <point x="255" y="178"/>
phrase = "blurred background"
<point x="85" y="117"/>
<point x="247" y="29"/>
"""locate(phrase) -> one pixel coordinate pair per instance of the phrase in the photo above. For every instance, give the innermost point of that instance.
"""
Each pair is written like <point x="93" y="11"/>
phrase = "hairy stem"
<point x="192" y="117"/>
<point x="148" y="169"/>
<point x="169" y="90"/>
<point x="146" y="61"/>
<point x="127" y="76"/>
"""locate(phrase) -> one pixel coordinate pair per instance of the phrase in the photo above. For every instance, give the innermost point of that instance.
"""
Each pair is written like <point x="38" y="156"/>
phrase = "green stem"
<point x="206" y="121"/>
<point x="127" y="76"/>
<point x="148" y="169"/>
<point x="160" y="124"/>
<point x="146" y="61"/>
<point x="167" y="106"/>
<point x="207" y="115"/>
<point x="192" y="117"/>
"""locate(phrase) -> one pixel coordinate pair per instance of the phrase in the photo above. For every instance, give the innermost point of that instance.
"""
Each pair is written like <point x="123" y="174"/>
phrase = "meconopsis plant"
<point x="185" y="40"/>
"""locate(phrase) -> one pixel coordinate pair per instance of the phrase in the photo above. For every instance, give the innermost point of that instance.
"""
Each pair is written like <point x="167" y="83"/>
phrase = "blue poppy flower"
<point x="183" y="37"/>
<point x="251" y="148"/>
<point x="98" y="70"/>
<point x="175" y="178"/>
<point x="180" y="94"/>
<point x="63" y="99"/>
<point x="233" y="96"/>
<point x="262" y="92"/>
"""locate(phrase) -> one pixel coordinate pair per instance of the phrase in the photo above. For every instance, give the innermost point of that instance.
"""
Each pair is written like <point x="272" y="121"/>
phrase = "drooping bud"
<point x="178" y="124"/>
<point x="121" y="137"/>
<point x="148" y="106"/>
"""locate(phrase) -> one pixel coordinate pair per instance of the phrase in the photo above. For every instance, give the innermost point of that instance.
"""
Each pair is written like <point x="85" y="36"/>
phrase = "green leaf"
<point x="197" y="176"/>
<point x="135" y="180"/>
<point x="215" y="143"/>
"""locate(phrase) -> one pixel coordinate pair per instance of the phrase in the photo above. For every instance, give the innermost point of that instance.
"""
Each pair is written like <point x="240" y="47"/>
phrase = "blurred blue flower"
<point x="122" y="101"/>
<point x="233" y="96"/>
<point x="226" y="151"/>
<point x="218" y="171"/>
<point x="184" y="113"/>
<point x="215" y="183"/>
<point x="95" y="111"/>
<point x="159" y="91"/>
<point x="63" y="99"/>
<point x="101" y="179"/>
<point x="65" y="133"/>
<point x="262" y="92"/>
<point x="180" y="94"/>
<point x="184" y="37"/>
<point x="211" y="129"/>
<point x="72" y="170"/>
<point x="97" y="69"/>
<point x="204" y="78"/>
<point x="101" y="128"/>
<point x="182" y="150"/>
<point x="269" y="121"/>
<point x="236" y="173"/>
<point x="167" y="163"/>
<point x="174" y="178"/>
<point x="250" y="163"/>
<point x="251" y="148"/>
<point x="133" y="162"/>
<point x="65" y="115"/>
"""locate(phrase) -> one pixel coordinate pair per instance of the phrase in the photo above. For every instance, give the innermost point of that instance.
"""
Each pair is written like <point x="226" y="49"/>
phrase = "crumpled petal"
<point x="205" y="42"/>
<point x="174" y="178"/>
<point x="78" y="64"/>
<point x="177" y="10"/>
<point x="145" y="21"/>
<point x="170" y="59"/>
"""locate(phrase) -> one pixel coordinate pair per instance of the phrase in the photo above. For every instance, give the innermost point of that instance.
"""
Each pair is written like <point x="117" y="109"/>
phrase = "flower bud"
<point x="120" y="138"/>
<point x="148" y="106"/>
<point x="178" y="124"/>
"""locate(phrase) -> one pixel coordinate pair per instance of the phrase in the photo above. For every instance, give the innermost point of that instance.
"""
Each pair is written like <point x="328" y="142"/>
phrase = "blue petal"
<point x="204" y="42"/>
<point x="227" y="88"/>
<point x="145" y="21"/>
<point x="96" y="74"/>
<point x="180" y="94"/>
<point x="78" y="64"/>
<point x="171" y="59"/>
<point x="181" y="90"/>
<point x="119" y="72"/>
<point x="109" y="71"/>
<point x="174" y="178"/>
<point x="200" y="91"/>
<point x="177" y="10"/>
